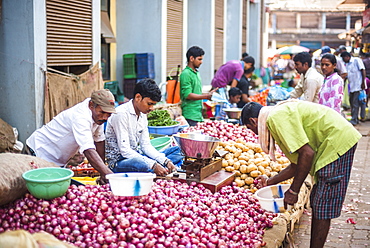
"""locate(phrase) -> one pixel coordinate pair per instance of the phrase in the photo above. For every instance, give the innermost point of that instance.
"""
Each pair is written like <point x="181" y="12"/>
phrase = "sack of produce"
<point x="12" y="166"/>
<point x="7" y="137"/>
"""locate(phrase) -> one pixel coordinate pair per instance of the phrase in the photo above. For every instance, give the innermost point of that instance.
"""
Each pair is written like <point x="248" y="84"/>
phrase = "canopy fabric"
<point x="292" y="49"/>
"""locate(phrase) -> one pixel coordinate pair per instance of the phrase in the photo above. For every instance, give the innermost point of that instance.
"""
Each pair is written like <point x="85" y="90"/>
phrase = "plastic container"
<point x="48" y="183"/>
<point x="131" y="183"/>
<point x="161" y="143"/>
<point x="128" y="87"/>
<point x="165" y="130"/>
<point x="145" y="65"/>
<point x="270" y="203"/>
<point x="129" y="66"/>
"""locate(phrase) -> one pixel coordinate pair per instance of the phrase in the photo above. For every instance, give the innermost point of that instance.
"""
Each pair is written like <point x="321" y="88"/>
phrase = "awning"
<point x="106" y="28"/>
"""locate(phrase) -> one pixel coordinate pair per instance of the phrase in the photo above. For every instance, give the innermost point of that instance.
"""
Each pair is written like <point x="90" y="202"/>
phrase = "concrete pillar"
<point x="233" y="29"/>
<point x="323" y="23"/>
<point x="23" y="63"/>
<point x="201" y="32"/>
<point x="273" y="23"/>
<point x="254" y="38"/>
<point x="348" y="22"/>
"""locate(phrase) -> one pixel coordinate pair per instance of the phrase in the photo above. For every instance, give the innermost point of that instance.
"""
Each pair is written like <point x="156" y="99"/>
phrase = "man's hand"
<point x="289" y="199"/>
<point x="262" y="181"/>
<point x="159" y="170"/>
<point x="171" y="167"/>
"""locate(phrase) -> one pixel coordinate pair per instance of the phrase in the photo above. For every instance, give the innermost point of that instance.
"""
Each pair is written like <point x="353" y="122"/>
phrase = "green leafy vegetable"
<point x="160" y="117"/>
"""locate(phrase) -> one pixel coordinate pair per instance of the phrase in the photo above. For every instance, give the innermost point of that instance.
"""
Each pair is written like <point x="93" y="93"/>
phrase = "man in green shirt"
<point x="191" y="87"/>
<point x="316" y="140"/>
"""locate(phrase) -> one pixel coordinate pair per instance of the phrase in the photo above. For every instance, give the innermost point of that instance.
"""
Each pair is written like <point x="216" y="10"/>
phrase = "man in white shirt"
<point x="128" y="129"/>
<point x="79" y="128"/>
<point x="356" y="83"/>
<point x="310" y="81"/>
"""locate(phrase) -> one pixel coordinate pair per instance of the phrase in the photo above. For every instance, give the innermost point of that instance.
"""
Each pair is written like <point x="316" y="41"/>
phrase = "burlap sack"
<point x="12" y="166"/>
<point x="7" y="137"/>
<point x="22" y="238"/>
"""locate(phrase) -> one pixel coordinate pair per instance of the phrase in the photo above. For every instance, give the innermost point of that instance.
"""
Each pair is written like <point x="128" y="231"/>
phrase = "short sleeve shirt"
<point x="298" y="123"/>
<point x="232" y="69"/>
<point x="70" y="131"/>
<point x="190" y="82"/>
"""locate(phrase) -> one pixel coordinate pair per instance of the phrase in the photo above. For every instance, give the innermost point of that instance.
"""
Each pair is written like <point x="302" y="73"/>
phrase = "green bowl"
<point x="48" y="183"/>
<point x="161" y="142"/>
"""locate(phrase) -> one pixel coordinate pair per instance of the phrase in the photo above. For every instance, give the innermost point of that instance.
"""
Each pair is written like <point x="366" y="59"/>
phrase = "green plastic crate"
<point x="129" y="66"/>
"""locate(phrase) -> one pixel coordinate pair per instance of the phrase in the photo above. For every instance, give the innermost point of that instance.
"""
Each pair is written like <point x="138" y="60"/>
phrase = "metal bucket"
<point x="193" y="144"/>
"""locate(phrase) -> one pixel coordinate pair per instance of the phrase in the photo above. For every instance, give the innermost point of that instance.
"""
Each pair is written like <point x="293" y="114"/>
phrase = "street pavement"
<point x="352" y="228"/>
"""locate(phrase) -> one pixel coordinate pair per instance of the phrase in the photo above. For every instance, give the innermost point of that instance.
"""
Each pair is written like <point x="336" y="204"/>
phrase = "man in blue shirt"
<point x="356" y="83"/>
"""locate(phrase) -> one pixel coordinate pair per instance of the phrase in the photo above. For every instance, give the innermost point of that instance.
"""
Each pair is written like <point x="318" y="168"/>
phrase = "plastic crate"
<point x="129" y="65"/>
<point x="145" y="65"/>
<point x="116" y="91"/>
<point x="128" y="87"/>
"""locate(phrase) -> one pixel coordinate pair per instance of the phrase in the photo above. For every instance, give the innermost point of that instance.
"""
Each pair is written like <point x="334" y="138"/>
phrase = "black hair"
<point x="234" y="91"/>
<point x="249" y="70"/>
<point x="147" y="87"/>
<point x="291" y="82"/>
<point x="250" y="110"/>
<point x="248" y="59"/>
<point x="330" y="57"/>
<point x="303" y="57"/>
<point x="245" y="54"/>
<point x="345" y="54"/>
<point x="194" y="51"/>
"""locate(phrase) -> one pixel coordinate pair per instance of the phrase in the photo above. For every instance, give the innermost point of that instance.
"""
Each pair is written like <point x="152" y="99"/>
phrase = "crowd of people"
<point x="311" y="133"/>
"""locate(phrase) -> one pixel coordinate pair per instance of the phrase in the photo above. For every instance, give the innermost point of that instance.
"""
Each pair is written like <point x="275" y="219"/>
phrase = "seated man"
<point x="79" y="128"/>
<point x="128" y="129"/>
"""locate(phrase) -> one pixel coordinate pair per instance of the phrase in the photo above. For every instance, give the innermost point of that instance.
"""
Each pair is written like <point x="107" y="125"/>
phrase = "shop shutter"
<point x="69" y="32"/>
<point x="174" y="34"/>
<point x="219" y="33"/>
<point x="244" y="27"/>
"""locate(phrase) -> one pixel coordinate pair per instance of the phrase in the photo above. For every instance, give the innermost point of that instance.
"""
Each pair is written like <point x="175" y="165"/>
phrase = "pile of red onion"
<point x="173" y="214"/>
<point x="224" y="131"/>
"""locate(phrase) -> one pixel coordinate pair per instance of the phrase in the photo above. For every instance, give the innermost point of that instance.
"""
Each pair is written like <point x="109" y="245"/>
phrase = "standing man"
<point x="128" y="144"/>
<point x="356" y="83"/>
<point x="191" y="87"/>
<point x="79" y="128"/>
<point x="310" y="80"/>
<point x="316" y="140"/>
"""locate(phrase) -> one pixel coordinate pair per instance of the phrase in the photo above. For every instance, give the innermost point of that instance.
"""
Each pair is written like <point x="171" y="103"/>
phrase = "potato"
<point x="229" y="168"/>
<point x="249" y="180"/>
<point x="241" y="161"/>
<point x="264" y="163"/>
<point x="246" y="186"/>
<point x="224" y="163"/>
<point x="229" y="156"/>
<point x="237" y="173"/>
<point x="243" y="157"/>
<point x="255" y="173"/>
<point x="243" y="176"/>
<point x="273" y="173"/>
<point x="239" y="182"/>
<point x="243" y="168"/>
<point x="230" y="162"/>
<point x="236" y="165"/>
<point x="237" y="153"/>
<point x="262" y="169"/>
<point x="251" y="167"/>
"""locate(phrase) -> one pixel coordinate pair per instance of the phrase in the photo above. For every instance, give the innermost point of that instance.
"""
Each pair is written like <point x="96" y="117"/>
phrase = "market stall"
<point x="208" y="202"/>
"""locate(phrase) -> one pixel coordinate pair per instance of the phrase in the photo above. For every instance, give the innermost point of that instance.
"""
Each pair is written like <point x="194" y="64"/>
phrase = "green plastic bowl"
<point x="161" y="142"/>
<point x="48" y="183"/>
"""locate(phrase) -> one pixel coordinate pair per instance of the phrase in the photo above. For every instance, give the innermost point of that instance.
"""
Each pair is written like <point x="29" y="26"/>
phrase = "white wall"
<point x="233" y="30"/>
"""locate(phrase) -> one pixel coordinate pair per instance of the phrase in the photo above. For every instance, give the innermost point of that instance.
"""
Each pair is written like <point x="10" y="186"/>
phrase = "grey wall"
<point x="139" y="30"/>
<point x="254" y="38"/>
<point x="23" y="59"/>
<point x="233" y="37"/>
